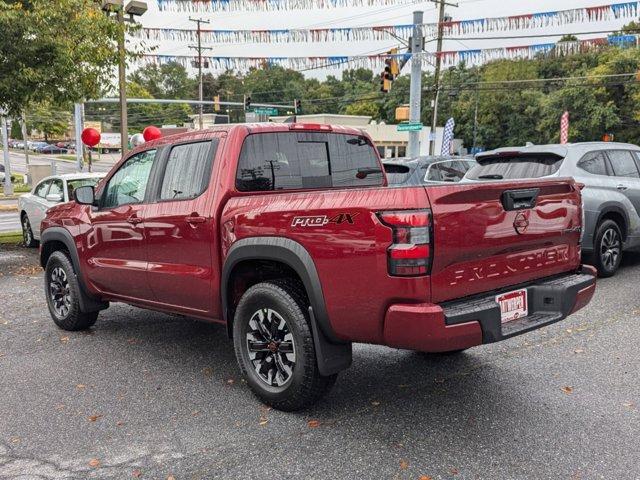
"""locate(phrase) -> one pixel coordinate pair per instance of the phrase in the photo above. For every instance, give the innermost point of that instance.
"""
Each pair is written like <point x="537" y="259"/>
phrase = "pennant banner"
<point x="202" y="6"/>
<point x="626" y="10"/>
<point x="294" y="63"/>
<point x="623" y="10"/>
<point x="381" y="32"/>
<point x="529" y="52"/>
<point x="469" y="57"/>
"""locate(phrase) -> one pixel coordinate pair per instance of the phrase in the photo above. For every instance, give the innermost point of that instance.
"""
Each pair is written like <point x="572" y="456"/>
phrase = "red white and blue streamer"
<point x="611" y="11"/>
<point x="449" y="58"/>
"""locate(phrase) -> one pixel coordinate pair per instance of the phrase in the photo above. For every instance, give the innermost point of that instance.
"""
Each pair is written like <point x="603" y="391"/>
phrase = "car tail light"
<point x="410" y="253"/>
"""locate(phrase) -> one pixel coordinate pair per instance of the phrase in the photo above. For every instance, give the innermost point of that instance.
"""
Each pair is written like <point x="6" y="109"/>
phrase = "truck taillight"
<point x="410" y="253"/>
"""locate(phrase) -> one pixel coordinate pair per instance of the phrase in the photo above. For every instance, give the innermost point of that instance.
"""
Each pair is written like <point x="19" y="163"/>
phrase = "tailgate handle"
<point x="520" y="199"/>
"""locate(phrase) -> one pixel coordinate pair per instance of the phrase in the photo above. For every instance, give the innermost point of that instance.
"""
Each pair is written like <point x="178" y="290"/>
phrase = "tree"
<point x="169" y="80"/>
<point x="363" y="107"/>
<point x="60" y="51"/>
<point x="48" y="121"/>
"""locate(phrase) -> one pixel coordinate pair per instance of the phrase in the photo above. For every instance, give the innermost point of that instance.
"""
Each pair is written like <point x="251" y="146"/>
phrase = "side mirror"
<point x="54" y="197"/>
<point x="84" y="195"/>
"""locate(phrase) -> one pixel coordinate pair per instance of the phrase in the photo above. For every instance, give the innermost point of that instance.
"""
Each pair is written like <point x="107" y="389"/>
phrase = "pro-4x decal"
<point x="322" y="220"/>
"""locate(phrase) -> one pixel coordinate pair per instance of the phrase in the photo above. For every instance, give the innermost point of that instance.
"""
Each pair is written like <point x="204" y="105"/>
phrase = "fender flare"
<point x="333" y="355"/>
<point x="88" y="302"/>
<point x="614" y="207"/>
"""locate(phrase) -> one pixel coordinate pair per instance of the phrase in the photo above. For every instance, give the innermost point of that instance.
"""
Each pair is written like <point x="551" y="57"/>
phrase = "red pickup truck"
<point x="290" y="236"/>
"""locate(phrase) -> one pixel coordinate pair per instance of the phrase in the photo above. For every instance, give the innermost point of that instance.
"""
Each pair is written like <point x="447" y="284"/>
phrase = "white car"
<point x="49" y="192"/>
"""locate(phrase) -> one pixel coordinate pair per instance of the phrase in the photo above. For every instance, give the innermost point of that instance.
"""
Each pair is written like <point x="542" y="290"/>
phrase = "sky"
<point x="351" y="17"/>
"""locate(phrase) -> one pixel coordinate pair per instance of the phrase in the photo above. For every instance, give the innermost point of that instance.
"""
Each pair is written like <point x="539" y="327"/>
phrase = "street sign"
<point x="265" y="111"/>
<point x="409" y="127"/>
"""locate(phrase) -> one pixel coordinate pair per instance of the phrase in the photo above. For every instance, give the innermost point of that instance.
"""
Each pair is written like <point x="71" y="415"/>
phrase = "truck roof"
<point x="249" y="128"/>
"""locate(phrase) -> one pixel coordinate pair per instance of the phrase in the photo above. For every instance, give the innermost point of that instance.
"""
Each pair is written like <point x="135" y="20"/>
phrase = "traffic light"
<point x="298" y="106"/>
<point x="391" y="71"/>
<point x="385" y="83"/>
<point x="247" y="102"/>
<point x="216" y="103"/>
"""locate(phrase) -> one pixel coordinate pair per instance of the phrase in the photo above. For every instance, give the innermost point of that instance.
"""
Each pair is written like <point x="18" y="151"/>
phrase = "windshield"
<point x="516" y="167"/>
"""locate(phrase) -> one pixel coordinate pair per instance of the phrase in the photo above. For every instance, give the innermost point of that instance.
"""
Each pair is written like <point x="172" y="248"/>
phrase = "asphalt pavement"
<point x="9" y="222"/>
<point x="18" y="162"/>
<point x="147" y="395"/>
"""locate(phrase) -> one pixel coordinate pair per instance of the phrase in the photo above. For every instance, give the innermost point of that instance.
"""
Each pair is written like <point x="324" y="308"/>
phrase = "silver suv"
<point x="611" y="196"/>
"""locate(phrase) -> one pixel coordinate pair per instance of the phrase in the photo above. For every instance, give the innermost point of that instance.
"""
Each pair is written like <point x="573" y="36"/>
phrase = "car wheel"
<point x="608" y="248"/>
<point x="274" y="346"/>
<point x="27" y="234"/>
<point x="63" y="293"/>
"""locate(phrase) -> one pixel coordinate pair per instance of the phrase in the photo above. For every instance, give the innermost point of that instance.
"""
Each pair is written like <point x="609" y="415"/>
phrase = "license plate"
<point x="513" y="305"/>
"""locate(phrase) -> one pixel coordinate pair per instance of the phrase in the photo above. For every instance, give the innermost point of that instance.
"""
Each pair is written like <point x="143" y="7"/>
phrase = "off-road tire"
<point x="27" y="233"/>
<point x="305" y="386"/>
<point x="70" y="318"/>
<point x="606" y="231"/>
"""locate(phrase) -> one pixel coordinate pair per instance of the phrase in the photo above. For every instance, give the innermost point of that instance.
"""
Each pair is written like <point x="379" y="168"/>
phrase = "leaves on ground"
<point x="94" y="463"/>
<point x="568" y="390"/>
<point x="136" y="473"/>
<point x="313" y="423"/>
<point x="404" y="464"/>
<point x="207" y="371"/>
<point x="94" y="418"/>
<point x="425" y="477"/>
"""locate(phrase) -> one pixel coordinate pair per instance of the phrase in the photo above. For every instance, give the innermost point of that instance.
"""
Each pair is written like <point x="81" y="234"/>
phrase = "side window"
<point x="451" y="171"/>
<point x="41" y="189"/>
<point x="594" y="162"/>
<point x="188" y="170"/>
<point x="56" y="188"/>
<point x="129" y="184"/>
<point x="286" y="161"/>
<point x="623" y="163"/>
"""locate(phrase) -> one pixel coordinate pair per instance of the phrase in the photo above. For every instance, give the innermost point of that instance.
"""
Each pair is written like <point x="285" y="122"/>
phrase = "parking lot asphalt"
<point x="147" y="395"/>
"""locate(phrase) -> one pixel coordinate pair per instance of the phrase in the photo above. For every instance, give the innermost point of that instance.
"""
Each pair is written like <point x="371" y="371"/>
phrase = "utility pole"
<point x="415" y="92"/>
<point x="199" y="48"/>
<point x="436" y="84"/>
<point x="8" y="186"/>
<point x="122" y="83"/>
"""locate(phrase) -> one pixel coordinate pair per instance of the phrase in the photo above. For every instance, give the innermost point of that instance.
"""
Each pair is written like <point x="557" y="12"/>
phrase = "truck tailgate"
<point x="487" y="236"/>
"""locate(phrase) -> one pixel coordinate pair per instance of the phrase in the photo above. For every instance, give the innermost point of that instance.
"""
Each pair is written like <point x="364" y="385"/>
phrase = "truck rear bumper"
<point x="477" y="320"/>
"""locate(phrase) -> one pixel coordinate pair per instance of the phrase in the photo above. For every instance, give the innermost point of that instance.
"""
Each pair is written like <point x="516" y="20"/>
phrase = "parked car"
<point x="425" y="170"/>
<point x="2" y="174"/>
<point x="51" y="149"/>
<point x="47" y="193"/>
<point x="289" y="235"/>
<point x="610" y="173"/>
<point x="37" y="146"/>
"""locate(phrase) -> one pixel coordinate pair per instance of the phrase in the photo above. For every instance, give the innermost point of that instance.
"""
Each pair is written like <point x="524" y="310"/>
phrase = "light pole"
<point x="8" y="186"/>
<point x="134" y="8"/>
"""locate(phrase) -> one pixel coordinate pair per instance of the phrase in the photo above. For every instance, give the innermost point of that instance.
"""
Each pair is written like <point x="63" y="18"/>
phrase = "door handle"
<point x="622" y="187"/>
<point x="133" y="220"/>
<point x="195" y="219"/>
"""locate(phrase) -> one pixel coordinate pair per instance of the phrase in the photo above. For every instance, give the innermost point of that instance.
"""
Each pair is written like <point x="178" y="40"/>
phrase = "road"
<point x="9" y="222"/>
<point x="18" y="162"/>
<point x="147" y="395"/>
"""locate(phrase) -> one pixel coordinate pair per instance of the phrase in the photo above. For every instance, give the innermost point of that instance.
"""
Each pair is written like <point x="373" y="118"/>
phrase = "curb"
<point x="8" y="208"/>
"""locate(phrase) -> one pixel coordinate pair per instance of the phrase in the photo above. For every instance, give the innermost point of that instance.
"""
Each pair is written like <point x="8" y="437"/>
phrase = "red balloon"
<point x="151" y="133"/>
<point x="91" y="137"/>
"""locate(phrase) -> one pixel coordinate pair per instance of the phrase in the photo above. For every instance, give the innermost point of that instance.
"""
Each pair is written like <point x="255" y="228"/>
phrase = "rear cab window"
<point x="511" y="167"/>
<point x="307" y="160"/>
